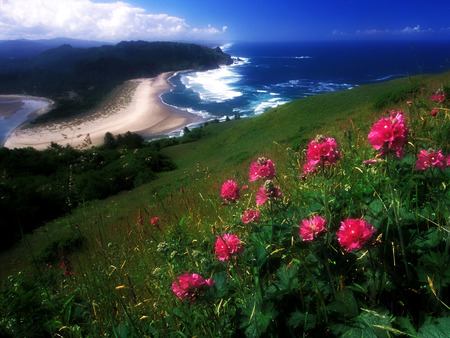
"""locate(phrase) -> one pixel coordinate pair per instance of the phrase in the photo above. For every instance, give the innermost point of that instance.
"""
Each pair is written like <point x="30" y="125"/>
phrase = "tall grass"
<point x="120" y="283"/>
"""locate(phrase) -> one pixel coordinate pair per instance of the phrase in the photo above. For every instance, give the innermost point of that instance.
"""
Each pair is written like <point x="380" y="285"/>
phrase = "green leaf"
<point x="369" y="323"/>
<point x="345" y="304"/>
<point x="405" y="324"/>
<point x="376" y="207"/>
<point x="220" y="284"/>
<point x="435" y="328"/>
<point x="301" y="319"/>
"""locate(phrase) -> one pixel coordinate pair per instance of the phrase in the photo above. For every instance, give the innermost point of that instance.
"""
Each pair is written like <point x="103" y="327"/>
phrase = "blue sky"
<point x="224" y="21"/>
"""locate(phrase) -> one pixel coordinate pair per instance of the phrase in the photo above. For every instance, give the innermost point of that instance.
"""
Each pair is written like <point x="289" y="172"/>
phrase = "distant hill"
<point x="22" y="48"/>
<point x="91" y="73"/>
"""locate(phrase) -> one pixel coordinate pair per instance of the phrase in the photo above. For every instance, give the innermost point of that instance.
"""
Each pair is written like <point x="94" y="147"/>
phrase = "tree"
<point x="109" y="141"/>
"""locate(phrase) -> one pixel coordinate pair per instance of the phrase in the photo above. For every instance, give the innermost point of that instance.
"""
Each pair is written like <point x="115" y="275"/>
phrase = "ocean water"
<point x="266" y="75"/>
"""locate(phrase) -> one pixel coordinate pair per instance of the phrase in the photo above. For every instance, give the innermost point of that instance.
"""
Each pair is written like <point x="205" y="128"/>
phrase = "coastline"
<point x="140" y="110"/>
<point x="18" y="110"/>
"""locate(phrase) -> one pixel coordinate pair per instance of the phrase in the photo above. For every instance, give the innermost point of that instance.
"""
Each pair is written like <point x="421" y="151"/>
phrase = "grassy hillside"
<point x="109" y="268"/>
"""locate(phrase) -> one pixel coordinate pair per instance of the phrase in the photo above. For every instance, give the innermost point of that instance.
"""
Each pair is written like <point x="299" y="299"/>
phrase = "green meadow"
<point x="107" y="268"/>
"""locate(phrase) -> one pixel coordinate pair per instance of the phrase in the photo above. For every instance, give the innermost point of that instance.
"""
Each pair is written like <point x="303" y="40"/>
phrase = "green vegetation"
<point x="37" y="186"/>
<point x="120" y="282"/>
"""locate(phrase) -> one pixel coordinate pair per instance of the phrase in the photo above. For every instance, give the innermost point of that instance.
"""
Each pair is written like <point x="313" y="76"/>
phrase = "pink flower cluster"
<point x="427" y="159"/>
<point x="228" y="245"/>
<point x="230" y="190"/>
<point x="389" y="134"/>
<point x="262" y="168"/>
<point x="320" y="152"/>
<point x="437" y="97"/>
<point x="155" y="221"/>
<point x="66" y="265"/>
<point x="268" y="191"/>
<point x="310" y="228"/>
<point x="354" y="233"/>
<point x="189" y="285"/>
<point x="250" y="215"/>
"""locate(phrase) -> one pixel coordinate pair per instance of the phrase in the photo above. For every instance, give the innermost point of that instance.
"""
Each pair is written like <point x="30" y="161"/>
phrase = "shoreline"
<point x="137" y="108"/>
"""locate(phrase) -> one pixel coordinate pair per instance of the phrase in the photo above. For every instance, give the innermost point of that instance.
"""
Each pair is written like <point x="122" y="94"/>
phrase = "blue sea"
<point x="265" y="75"/>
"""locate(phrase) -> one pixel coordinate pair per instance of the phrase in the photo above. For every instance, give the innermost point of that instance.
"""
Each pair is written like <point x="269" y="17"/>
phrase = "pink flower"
<point x="228" y="245"/>
<point x="371" y="161"/>
<point x="433" y="112"/>
<point x="320" y="152"/>
<point x="437" y="97"/>
<point x="354" y="233"/>
<point x="309" y="229"/>
<point x="66" y="265"/>
<point x="250" y="216"/>
<point x="389" y="134"/>
<point x="426" y="159"/>
<point x="154" y="221"/>
<point x="262" y="168"/>
<point x="189" y="285"/>
<point x="230" y="190"/>
<point x="266" y="192"/>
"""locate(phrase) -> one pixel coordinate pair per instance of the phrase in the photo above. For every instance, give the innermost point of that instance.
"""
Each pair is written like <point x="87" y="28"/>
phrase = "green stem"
<point x="396" y="219"/>
<point x="374" y="287"/>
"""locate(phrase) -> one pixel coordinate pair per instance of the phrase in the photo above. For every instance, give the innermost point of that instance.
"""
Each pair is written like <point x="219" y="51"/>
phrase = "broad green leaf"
<point x="435" y="328"/>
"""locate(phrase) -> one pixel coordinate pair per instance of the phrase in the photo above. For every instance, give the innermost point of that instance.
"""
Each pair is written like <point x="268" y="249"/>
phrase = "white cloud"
<point x="416" y="29"/>
<point x="84" y="19"/>
<point x="390" y="32"/>
<point x="337" y="32"/>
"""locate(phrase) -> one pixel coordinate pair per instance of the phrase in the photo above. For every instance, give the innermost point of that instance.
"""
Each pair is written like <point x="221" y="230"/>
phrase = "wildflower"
<point x="354" y="233"/>
<point x="371" y="161"/>
<point x="437" y="97"/>
<point x="250" y="216"/>
<point x="228" y="245"/>
<point x="190" y="285"/>
<point x="389" y="134"/>
<point x="266" y="192"/>
<point x="66" y="265"/>
<point x="427" y="159"/>
<point x="230" y="190"/>
<point x="320" y="152"/>
<point x="155" y="221"/>
<point x="262" y="168"/>
<point x="309" y="229"/>
<point x="433" y="112"/>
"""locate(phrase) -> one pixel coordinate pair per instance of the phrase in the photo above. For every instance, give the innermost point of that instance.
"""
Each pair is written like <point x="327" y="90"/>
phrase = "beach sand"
<point x="136" y="107"/>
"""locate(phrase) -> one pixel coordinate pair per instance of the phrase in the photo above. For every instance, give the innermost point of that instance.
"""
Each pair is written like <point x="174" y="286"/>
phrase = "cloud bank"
<point x="407" y="31"/>
<point x="84" y="19"/>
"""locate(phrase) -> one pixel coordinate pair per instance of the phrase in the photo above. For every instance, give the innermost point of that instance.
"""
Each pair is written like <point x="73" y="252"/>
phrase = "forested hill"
<point x="79" y="78"/>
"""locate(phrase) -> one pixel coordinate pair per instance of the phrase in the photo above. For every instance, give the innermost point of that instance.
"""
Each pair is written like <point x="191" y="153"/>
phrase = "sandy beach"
<point x="135" y="107"/>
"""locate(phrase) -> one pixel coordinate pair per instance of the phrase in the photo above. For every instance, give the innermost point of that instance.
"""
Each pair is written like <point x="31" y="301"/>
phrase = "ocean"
<point x="265" y="75"/>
